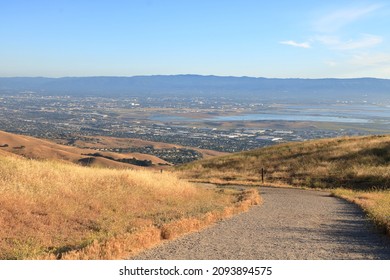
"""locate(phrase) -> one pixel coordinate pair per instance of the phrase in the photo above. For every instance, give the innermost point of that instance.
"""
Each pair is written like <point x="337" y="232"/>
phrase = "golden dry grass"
<point x="357" y="168"/>
<point x="54" y="210"/>
<point x="43" y="149"/>
<point x="351" y="162"/>
<point x="375" y="203"/>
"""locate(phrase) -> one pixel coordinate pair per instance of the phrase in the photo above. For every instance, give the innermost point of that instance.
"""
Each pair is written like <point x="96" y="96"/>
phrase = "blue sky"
<point x="275" y="39"/>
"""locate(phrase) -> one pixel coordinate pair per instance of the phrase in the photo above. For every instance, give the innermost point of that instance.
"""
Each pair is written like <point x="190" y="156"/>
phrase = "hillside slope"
<point x="106" y="142"/>
<point x="353" y="162"/>
<point x="52" y="209"/>
<point x="35" y="148"/>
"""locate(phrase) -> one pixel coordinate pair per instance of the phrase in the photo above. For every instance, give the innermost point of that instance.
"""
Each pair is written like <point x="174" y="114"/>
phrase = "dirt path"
<point x="291" y="224"/>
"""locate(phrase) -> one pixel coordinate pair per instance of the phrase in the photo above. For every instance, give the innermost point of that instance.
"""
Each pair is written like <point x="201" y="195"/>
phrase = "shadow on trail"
<point x="349" y="230"/>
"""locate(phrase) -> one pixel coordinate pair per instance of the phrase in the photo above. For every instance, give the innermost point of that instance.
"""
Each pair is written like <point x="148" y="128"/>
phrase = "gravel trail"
<point x="290" y="224"/>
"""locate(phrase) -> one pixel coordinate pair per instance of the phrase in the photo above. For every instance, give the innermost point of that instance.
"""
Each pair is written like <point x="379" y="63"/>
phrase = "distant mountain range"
<point x="197" y="85"/>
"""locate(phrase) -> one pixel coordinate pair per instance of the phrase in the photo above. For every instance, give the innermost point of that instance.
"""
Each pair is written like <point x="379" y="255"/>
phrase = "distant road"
<point x="291" y="224"/>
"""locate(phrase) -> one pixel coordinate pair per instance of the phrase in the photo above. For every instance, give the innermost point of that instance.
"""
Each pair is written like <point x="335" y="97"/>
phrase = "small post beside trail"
<point x="262" y="175"/>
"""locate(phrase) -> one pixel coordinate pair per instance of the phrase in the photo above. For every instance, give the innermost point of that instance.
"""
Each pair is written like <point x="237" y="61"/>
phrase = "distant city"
<point x="226" y="114"/>
<point x="196" y="122"/>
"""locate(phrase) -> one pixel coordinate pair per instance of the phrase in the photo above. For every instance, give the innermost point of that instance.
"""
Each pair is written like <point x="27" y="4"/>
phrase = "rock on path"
<point x="290" y="224"/>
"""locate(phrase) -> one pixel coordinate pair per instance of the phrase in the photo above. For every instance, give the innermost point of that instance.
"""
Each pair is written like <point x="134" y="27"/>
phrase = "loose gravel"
<point x="290" y="224"/>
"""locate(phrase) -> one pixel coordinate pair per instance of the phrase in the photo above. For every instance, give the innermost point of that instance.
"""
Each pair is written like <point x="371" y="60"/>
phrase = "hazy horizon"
<point x="192" y="74"/>
<point x="282" y="39"/>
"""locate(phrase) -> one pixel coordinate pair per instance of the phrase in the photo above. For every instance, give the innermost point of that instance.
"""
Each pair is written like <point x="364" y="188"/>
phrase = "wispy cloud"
<point x="363" y="42"/>
<point x="371" y="64"/>
<point x="337" y="19"/>
<point x="328" y="28"/>
<point x="304" y="45"/>
<point x="363" y="64"/>
<point x="371" y="59"/>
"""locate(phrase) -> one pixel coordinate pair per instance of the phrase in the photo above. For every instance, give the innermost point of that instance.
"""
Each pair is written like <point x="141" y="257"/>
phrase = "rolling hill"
<point x="351" y="162"/>
<point x="35" y="148"/>
<point x="354" y="168"/>
<point x="106" y="142"/>
<point x="53" y="209"/>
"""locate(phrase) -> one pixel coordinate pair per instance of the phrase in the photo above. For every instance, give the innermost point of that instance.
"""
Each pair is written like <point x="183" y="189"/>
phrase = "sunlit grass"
<point x="357" y="168"/>
<point x="375" y="203"/>
<point x="52" y="209"/>
<point x="358" y="162"/>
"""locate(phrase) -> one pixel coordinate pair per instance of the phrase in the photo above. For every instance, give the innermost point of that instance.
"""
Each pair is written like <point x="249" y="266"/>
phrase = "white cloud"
<point x="365" y="41"/>
<point x="304" y="45"/>
<point x="351" y="54"/>
<point x="336" y="20"/>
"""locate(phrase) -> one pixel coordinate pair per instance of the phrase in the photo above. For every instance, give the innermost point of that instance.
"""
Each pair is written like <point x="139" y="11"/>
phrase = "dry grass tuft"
<point x="53" y="210"/>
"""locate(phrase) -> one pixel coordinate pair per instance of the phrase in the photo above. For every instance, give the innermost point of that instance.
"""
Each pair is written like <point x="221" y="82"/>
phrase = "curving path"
<point x="290" y="224"/>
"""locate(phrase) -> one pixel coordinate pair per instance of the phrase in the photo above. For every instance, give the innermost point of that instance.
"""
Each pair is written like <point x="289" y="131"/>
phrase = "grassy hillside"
<point x="356" y="168"/>
<point x="101" y="142"/>
<point x="355" y="162"/>
<point x="52" y="209"/>
<point x="35" y="148"/>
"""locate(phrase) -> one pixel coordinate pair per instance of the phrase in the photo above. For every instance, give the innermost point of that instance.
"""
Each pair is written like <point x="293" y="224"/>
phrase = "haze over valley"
<point x="226" y="114"/>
